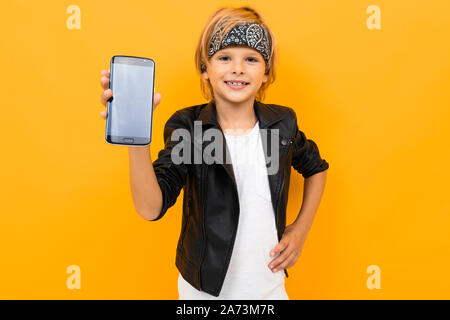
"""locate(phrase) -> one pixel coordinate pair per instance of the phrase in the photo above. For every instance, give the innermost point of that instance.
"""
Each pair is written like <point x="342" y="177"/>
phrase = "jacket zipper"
<point x="278" y="207"/>
<point x="187" y="221"/>
<point x="290" y="141"/>
<point x="204" y="178"/>
<point x="276" y="218"/>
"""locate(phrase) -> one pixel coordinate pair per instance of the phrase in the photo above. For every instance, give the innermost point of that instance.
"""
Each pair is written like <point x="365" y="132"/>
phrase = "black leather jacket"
<point x="211" y="203"/>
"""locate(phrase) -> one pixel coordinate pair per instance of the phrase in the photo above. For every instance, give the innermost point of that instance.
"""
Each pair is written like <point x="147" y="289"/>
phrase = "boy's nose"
<point x="238" y="69"/>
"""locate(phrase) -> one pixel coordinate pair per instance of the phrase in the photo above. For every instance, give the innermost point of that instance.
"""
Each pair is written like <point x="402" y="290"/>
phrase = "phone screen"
<point x="130" y="109"/>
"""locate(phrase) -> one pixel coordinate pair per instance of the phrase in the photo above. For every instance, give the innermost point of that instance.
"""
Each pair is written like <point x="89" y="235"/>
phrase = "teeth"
<point x="236" y="83"/>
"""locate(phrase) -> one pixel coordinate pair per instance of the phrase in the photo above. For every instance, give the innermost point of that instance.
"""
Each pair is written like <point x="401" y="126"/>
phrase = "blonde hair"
<point x="227" y="18"/>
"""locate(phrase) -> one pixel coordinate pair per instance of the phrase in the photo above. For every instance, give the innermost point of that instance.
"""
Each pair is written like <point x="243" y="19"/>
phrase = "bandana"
<point x="250" y="34"/>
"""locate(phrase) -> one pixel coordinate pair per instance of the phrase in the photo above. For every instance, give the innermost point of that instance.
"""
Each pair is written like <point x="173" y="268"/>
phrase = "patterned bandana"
<point x="251" y="34"/>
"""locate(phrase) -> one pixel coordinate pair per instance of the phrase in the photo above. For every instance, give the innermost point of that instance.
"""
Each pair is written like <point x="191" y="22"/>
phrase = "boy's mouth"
<point x="237" y="84"/>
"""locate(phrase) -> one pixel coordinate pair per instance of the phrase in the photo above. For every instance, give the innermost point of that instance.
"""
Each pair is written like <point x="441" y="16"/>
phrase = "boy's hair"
<point x="227" y="18"/>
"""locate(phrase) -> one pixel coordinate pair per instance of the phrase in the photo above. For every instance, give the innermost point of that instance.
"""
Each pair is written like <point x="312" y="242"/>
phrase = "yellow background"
<point x="376" y="102"/>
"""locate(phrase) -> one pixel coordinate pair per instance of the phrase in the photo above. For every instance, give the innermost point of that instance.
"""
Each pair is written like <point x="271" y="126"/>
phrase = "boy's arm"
<point x="312" y="194"/>
<point x="171" y="177"/>
<point x="145" y="190"/>
<point x="155" y="186"/>
<point x="307" y="161"/>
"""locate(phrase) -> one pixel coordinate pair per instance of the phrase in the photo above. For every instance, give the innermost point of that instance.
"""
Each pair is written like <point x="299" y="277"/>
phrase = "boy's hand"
<point x="289" y="247"/>
<point x="107" y="94"/>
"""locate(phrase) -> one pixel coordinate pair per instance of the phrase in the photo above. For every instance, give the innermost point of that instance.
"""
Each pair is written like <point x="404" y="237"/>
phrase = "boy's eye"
<point x="251" y="58"/>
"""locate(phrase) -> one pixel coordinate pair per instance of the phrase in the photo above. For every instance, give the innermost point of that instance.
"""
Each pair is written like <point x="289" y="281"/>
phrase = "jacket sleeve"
<point x="306" y="157"/>
<point x="171" y="177"/>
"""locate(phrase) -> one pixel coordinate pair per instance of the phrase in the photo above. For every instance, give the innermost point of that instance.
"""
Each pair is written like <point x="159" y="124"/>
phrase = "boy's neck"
<point x="236" y="116"/>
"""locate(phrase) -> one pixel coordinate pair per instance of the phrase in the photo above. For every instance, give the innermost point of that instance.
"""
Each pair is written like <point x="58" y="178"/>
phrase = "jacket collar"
<point x="266" y="114"/>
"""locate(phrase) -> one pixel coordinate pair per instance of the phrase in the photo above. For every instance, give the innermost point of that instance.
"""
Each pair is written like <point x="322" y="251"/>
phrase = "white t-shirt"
<point x="248" y="275"/>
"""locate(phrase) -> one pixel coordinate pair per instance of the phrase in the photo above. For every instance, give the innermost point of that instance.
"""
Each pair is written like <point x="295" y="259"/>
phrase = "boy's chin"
<point x="239" y="98"/>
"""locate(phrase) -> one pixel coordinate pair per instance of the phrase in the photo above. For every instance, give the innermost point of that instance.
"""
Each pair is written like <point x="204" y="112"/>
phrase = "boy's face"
<point x="236" y="63"/>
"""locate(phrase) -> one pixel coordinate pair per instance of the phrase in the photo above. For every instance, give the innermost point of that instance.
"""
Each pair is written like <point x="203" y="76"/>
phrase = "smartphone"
<point x="130" y="109"/>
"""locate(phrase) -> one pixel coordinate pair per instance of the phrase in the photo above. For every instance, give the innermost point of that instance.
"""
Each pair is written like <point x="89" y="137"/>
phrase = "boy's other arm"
<point x="312" y="194"/>
<point x="145" y="189"/>
<point x="306" y="160"/>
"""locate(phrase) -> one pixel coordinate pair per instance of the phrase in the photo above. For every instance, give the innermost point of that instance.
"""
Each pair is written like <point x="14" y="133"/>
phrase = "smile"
<point x="236" y="85"/>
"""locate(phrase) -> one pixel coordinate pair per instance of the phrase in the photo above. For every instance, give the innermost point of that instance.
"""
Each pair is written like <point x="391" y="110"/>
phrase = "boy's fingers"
<point x="156" y="100"/>
<point x="106" y="95"/>
<point x="104" y="81"/>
